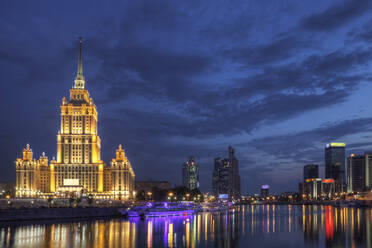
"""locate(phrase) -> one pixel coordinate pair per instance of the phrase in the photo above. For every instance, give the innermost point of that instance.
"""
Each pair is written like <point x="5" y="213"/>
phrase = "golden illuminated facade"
<point x="122" y="175"/>
<point x="78" y="167"/>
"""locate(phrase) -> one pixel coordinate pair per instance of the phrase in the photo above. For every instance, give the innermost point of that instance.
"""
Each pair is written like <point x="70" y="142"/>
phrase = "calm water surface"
<point x="247" y="226"/>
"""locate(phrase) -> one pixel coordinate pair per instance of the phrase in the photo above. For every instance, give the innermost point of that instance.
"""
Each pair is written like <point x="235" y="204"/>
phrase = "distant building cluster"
<point x="148" y="186"/>
<point x="354" y="177"/>
<point x="225" y="178"/>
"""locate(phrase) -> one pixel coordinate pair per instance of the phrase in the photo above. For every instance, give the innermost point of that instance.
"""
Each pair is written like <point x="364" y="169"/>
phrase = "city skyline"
<point x="192" y="82"/>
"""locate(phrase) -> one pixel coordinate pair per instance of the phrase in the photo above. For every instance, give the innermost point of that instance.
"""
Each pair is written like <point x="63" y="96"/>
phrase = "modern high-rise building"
<point x="335" y="164"/>
<point x="190" y="174"/>
<point x="312" y="188"/>
<point x="328" y="188"/>
<point x="226" y="177"/>
<point x="78" y="167"/>
<point x="235" y="175"/>
<point x="359" y="173"/>
<point x="265" y="190"/>
<point x="221" y="177"/>
<point x="311" y="171"/>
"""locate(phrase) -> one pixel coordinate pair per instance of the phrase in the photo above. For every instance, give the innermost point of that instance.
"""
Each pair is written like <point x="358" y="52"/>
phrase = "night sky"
<point x="277" y="80"/>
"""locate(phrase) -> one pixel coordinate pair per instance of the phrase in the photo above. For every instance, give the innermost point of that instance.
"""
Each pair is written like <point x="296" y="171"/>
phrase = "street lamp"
<point x="170" y="195"/>
<point x="149" y="194"/>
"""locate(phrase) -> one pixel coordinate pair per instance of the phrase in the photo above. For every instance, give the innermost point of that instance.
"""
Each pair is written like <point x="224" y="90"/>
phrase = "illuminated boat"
<point x="163" y="209"/>
<point x="169" y="209"/>
<point x="167" y="212"/>
<point x="215" y="207"/>
<point x="136" y="211"/>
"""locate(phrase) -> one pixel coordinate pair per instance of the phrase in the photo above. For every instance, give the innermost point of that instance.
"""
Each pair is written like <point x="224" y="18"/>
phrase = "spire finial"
<point x="79" y="80"/>
<point x="80" y="65"/>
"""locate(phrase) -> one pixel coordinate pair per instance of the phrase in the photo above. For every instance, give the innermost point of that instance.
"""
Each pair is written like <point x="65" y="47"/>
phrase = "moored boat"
<point x="159" y="210"/>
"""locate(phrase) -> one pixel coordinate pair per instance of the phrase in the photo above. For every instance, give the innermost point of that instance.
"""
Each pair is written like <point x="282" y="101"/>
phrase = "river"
<point x="246" y="226"/>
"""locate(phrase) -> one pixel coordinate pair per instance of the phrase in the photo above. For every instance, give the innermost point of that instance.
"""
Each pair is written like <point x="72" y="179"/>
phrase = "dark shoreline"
<point x="32" y="214"/>
<point x="16" y="223"/>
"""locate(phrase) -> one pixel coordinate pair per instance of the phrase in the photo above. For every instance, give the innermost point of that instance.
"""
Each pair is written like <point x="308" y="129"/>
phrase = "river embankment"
<point x="13" y="214"/>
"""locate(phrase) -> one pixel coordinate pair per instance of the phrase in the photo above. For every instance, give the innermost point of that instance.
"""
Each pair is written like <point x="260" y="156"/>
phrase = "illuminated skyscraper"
<point x="226" y="177"/>
<point x="78" y="167"/>
<point x="335" y="164"/>
<point x="235" y="175"/>
<point x="190" y="174"/>
<point x="359" y="172"/>
<point x="221" y="177"/>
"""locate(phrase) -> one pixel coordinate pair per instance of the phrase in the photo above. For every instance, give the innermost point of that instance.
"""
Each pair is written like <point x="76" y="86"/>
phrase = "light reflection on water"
<point x="256" y="226"/>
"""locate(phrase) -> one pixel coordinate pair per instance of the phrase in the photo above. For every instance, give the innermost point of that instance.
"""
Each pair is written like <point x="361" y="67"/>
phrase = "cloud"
<point x="178" y="104"/>
<point x="337" y="15"/>
<point x="362" y="33"/>
<point x="359" y="145"/>
<point x="278" y="49"/>
<point x="304" y="146"/>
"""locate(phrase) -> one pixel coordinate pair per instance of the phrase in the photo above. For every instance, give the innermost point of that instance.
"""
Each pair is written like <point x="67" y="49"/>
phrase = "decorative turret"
<point x="120" y="154"/>
<point x="43" y="161"/>
<point x="27" y="153"/>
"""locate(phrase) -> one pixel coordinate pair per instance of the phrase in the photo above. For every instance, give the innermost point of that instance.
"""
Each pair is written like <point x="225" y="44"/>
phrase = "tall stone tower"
<point x="78" y="167"/>
<point x="78" y="144"/>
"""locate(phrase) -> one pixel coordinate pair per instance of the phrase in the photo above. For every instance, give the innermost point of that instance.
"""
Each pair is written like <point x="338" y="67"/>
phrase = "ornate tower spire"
<point x="79" y="80"/>
<point x="120" y="154"/>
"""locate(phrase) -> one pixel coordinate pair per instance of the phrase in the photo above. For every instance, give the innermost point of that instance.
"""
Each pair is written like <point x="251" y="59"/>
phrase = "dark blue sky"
<point x="275" y="79"/>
